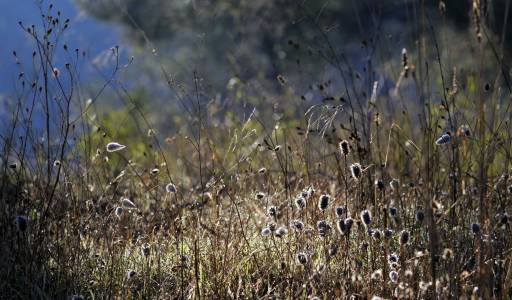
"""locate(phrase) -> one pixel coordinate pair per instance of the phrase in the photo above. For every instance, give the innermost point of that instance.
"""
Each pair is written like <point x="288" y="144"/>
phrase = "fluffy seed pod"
<point x="356" y="171"/>
<point x="348" y="224"/>
<point x="300" y="202"/>
<point x="297" y="225"/>
<point x="340" y="210"/>
<point x="272" y="211"/>
<point x="119" y="211"/>
<point x="265" y="231"/>
<point x="130" y="274"/>
<point x="302" y="258"/>
<point x="392" y="211"/>
<point x="394" y="184"/>
<point x="420" y="216"/>
<point x="146" y="250"/>
<point x="388" y="233"/>
<point x="323" y="202"/>
<point x="380" y="184"/>
<point x="376" y="234"/>
<point x="260" y="195"/>
<point x="393" y="276"/>
<point x="281" y="232"/>
<point x="170" y="188"/>
<point x="366" y="218"/>
<point x="340" y="225"/>
<point x="344" y="147"/>
<point x="113" y="147"/>
<point x="323" y="227"/>
<point x="404" y="237"/>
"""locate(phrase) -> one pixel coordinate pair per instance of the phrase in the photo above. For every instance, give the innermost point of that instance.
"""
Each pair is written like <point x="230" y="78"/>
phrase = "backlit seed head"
<point x="404" y="237"/>
<point x="348" y="223"/>
<point x="265" y="231"/>
<point x="127" y="203"/>
<point x="146" y="250"/>
<point x="356" y="171"/>
<point x="302" y="258"/>
<point x="297" y="225"/>
<point x="393" y="258"/>
<point x="260" y="195"/>
<point x="447" y="254"/>
<point x="420" y="216"/>
<point x="377" y="275"/>
<point x="366" y="218"/>
<point x="344" y="147"/>
<point x="113" y="147"/>
<point x="340" y="210"/>
<point x="119" y="211"/>
<point x="130" y="274"/>
<point x="323" y="202"/>
<point x="393" y="276"/>
<point x="394" y="184"/>
<point x="272" y="211"/>
<point x="380" y="184"/>
<point x="300" y="202"/>
<point x="340" y="225"/>
<point x="262" y="171"/>
<point x="281" y="232"/>
<point x="323" y="227"/>
<point x="171" y="188"/>
<point x="388" y="233"/>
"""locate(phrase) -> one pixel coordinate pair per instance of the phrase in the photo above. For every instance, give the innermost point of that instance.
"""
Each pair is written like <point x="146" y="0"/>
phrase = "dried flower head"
<point x="394" y="184"/>
<point x="131" y="274"/>
<point x="444" y="139"/>
<point x="281" y="232"/>
<point x="272" y="211"/>
<point x="265" y="231"/>
<point x="393" y="276"/>
<point x="356" y="171"/>
<point x="297" y="225"/>
<point x="380" y="184"/>
<point x="420" y="216"/>
<point x="171" y="188"/>
<point x="392" y="211"/>
<point x="119" y="211"/>
<point x="377" y="275"/>
<point x="323" y="227"/>
<point x="302" y="258"/>
<point x="404" y="237"/>
<point x="127" y="203"/>
<point x="323" y="202"/>
<point x="113" y="147"/>
<point x="300" y="202"/>
<point x="146" y="250"/>
<point x="344" y="147"/>
<point x="340" y="210"/>
<point x="260" y="195"/>
<point x="366" y="218"/>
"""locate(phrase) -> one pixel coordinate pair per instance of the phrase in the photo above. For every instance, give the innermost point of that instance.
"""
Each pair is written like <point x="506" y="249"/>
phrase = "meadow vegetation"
<point x="375" y="179"/>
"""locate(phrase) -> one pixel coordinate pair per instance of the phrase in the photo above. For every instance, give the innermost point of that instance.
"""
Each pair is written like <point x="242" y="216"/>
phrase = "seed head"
<point x="323" y="202"/>
<point x="113" y="147"/>
<point x="420" y="216"/>
<point x="340" y="225"/>
<point x="119" y="211"/>
<point x="356" y="171"/>
<point x="394" y="184"/>
<point x="302" y="258"/>
<point x="392" y="211"/>
<point x="380" y="184"/>
<point x="265" y="231"/>
<point x="348" y="224"/>
<point x="171" y="188"/>
<point x="146" y="250"/>
<point x="300" y="202"/>
<point x="130" y="274"/>
<point x="404" y="237"/>
<point x="297" y="225"/>
<point x="272" y="211"/>
<point x="260" y="195"/>
<point x="344" y="147"/>
<point x="393" y="276"/>
<point x="127" y="203"/>
<point x="340" y="211"/>
<point x="281" y="232"/>
<point x="323" y="227"/>
<point x="366" y="218"/>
